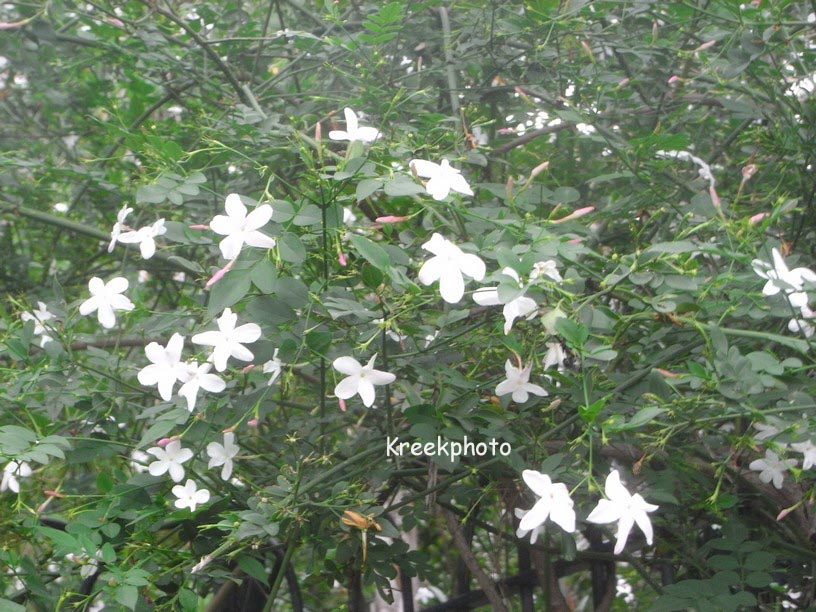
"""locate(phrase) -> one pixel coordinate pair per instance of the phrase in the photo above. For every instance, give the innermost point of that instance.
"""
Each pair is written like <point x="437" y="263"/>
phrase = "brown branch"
<point x="486" y="584"/>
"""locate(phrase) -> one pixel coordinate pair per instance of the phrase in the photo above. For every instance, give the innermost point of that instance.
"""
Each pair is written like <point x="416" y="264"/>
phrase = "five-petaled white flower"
<point x="546" y="268"/>
<point x="189" y="496"/>
<point x="555" y="356"/>
<point x="240" y="227"/>
<point x="447" y="266"/>
<point x="118" y="226"/>
<point x="105" y="298"/>
<point x="442" y="178"/>
<point x="772" y="468"/>
<point x="13" y="471"/>
<point x="195" y="377"/>
<point x="520" y="306"/>
<point x="169" y="459"/>
<point x="228" y="340"/>
<point x="360" y="379"/>
<point x="780" y="278"/>
<point x="145" y="238"/>
<point x="517" y="382"/>
<point x="274" y="366"/>
<point x="554" y="503"/>
<point x="165" y="365"/>
<point x="353" y="130"/>
<point x="625" y="508"/>
<point x="39" y="316"/>
<point x="808" y="449"/>
<point x="222" y="454"/>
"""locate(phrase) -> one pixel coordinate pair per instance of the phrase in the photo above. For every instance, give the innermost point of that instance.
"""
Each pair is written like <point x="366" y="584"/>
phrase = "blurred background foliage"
<point x="674" y="354"/>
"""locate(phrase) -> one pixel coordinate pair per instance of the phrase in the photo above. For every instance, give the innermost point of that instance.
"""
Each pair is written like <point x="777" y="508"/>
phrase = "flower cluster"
<point x="145" y="237"/>
<point x="554" y="502"/>
<point x="169" y="457"/>
<point x="791" y="283"/>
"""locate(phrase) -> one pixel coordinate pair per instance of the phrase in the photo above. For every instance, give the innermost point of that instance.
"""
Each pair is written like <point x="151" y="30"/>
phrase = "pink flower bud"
<point x="220" y="274"/>
<point x="758" y="217"/>
<point x="538" y="170"/>
<point x="248" y="368"/>
<point x="165" y="441"/>
<point x="253" y="422"/>
<point x="341" y="258"/>
<point x="705" y="46"/>
<point x="342" y="404"/>
<point x="391" y="219"/>
<point x="201" y="226"/>
<point x="114" y="21"/>
<point x="748" y="171"/>
<point x="623" y="82"/>
<point x="575" y="214"/>
<point x="318" y="132"/>
<point x="673" y="79"/>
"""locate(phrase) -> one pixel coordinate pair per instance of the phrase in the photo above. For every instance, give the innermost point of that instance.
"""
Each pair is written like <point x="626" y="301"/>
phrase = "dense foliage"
<point x="577" y="233"/>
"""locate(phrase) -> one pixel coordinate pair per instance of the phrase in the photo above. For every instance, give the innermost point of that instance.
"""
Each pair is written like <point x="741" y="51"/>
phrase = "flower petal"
<point x="235" y="207"/>
<point x="451" y="286"/>
<point x="348" y="366"/>
<point x="347" y="388"/>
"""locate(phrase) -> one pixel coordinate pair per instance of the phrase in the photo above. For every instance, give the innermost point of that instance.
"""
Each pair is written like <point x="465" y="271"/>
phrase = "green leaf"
<point x="319" y="342"/>
<point x="254" y="568"/>
<point x="127" y="595"/>
<point x="679" y="246"/>
<point x="366" y="187"/>
<point x="228" y="291"/>
<point x="374" y="253"/>
<point x="264" y="274"/>
<point x="6" y="605"/>
<point x="291" y="249"/>
<point x="574" y="333"/>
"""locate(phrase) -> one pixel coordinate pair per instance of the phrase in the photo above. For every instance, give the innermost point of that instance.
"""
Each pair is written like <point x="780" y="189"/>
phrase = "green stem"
<point x="290" y="548"/>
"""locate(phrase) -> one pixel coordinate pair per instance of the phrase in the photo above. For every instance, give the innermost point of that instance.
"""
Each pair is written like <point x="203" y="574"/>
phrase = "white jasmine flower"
<point x="808" y="449"/>
<point x="118" y="226"/>
<point x="427" y="594"/>
<point x="138" y="461"/>
<point x="228" y="340"/>
<point x="780" y="278"/>
<point x="521" y="306"/>
<point x="39" y="316"/>
<point x="240" y="227"/>
<point x="704" y="170"/>
<point x="145" y="238"/>
<point x="546" y="268"/>
<point x="353" y="130"/>
<point x="772" y="468"/>
<point x="516" y="382"/>
<point x="13" y="471"/>
<point x="169" y="459"/>
<point x="765" y="431"/>
<point x="274" y="366"/>
<point x="105" y="299"/>
<point x="197" y="377"/>
<point x="222" y="454"/>
<point x="443" y="178"/>
<point x="554" y="503"/>
<point x="447" y="266"/>
<point x="625" y="508"/>
<point x="189" y="496"/>
<point x="360" y="379"/>
<point x="802" y="325"/>
<point x="555" y="356"/>
<point x="165" y="366"/>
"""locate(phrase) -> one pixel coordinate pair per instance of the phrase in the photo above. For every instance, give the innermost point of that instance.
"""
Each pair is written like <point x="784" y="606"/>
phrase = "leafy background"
<point x="674" y="353"/>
